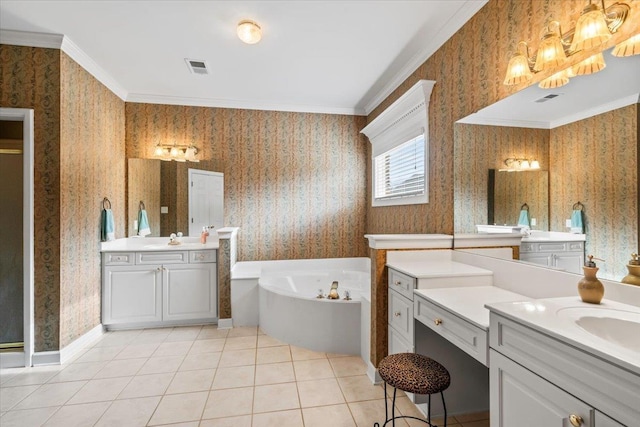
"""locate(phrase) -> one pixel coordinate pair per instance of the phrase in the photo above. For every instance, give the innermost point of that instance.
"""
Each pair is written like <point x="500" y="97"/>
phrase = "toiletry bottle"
<point x="633" y="278"/>
<point x="203" y="235"/>
<point x="589" y="287"/>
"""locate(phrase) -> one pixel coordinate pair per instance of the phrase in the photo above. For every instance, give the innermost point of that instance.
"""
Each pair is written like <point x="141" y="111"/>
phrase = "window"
<point x="400" y="172"/>
<point x="399" y="139"/>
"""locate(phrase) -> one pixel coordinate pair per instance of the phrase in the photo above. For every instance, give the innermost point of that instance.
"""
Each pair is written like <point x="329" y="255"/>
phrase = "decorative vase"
<point x="633" y="278"/>
<point x="589" y="287"/>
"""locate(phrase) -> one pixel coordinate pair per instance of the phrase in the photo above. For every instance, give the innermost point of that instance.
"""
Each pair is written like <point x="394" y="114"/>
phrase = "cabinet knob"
<point x="397" y="283"/>
<point x="397" y="314"/>
<point x="159" y="269"/>
<point x="438" y="322"/>
<point x="575" y="420"/>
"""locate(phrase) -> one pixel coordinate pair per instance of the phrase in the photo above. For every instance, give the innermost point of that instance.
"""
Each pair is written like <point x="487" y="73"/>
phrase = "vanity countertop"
<point x="614" y="326"/>
<point x="469" y="302"/>
<point x="435" y="269"/>
<point x="149" y="244"/>
<point x="553" y="236"/>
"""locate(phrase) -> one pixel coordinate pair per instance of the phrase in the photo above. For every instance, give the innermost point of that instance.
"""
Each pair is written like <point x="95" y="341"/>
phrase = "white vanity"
<point x="564" y="251"/>
<point x="148" y="283"/>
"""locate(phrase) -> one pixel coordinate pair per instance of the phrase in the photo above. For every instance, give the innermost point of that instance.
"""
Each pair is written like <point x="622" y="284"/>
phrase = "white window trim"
<point x="406" y="118"/>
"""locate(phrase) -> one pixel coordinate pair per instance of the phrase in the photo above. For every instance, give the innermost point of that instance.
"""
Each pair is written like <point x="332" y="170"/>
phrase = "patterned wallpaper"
<point x="30" y="78"/>
<point x="294" y="182"/>
<point x="595" y="161"/>
<point x="469" y="69"/>
<point x="513" y="189"/>
<point x="92" y="167"/>
<point x="143" y="184"/>
<point x="479" y="148"/>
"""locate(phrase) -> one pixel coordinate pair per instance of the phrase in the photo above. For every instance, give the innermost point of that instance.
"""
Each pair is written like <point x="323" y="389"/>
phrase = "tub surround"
<point x="409" y="241"/>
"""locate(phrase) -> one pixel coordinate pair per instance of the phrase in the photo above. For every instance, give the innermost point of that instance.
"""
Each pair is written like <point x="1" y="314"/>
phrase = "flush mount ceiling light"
<point x="179" y="153"/>
<point x="594" y="27"/>
<point x="249" y="32"/>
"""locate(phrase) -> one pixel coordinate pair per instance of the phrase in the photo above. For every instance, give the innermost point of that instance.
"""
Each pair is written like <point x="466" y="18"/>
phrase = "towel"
<point x="143" y="223"/>
<point x="577" y="225"/>
<point x="523" y="221"/>
<point x="107" y="227"/>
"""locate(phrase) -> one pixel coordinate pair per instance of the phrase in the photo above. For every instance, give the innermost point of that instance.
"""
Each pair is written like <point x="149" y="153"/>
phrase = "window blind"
<point x="400" y="171"/>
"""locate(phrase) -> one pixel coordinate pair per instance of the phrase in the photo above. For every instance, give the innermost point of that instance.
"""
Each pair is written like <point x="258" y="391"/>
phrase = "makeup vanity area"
<point x="528" y="349"/>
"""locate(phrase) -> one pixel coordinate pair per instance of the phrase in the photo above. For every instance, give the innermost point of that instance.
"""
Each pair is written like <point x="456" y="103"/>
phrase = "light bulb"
<point x="535" y="164"/>
<point x="158" y="151"/>
<point x="174" y="151"/>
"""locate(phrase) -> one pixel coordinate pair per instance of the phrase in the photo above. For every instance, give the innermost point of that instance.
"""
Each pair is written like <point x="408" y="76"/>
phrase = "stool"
<point x="413" y="373"/>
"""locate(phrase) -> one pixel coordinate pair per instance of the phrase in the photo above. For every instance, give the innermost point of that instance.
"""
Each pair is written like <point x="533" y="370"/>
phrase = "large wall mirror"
<point x="586" y="141"/>
<point x="162" y="187"/>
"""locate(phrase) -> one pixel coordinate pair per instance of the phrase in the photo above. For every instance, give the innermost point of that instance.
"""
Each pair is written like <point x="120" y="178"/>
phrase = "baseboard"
<point x="12" y="360"/>
<point x="372" y="373"/>
<point x="81" y="342"/>
<point x="61" y="356"/>
<point x="225" y="323"/>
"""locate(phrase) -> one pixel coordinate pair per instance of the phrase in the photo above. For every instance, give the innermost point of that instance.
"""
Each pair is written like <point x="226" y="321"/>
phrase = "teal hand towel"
<point x="523" y="220"/>
<point x="577" y="225"/>
<point x="143" y="223"/>
<point x="107" y="226"/>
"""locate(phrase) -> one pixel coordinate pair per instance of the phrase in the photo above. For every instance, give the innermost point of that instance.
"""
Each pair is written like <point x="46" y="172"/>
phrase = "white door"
<point x="206" y="197"/>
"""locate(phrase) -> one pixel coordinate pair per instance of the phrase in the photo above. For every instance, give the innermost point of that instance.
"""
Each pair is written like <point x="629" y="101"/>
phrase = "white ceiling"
<point x="617" y="86"/>
<point x="340" y="57"/>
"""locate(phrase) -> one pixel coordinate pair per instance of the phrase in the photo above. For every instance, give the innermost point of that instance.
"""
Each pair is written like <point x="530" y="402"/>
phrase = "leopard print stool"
<point x="413" y="373"/>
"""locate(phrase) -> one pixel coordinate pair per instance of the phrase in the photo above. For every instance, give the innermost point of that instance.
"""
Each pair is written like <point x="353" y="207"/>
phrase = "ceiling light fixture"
<point x="179" y="153"/>
<point x="249" y="31"/>
<point x="594" y="27"/>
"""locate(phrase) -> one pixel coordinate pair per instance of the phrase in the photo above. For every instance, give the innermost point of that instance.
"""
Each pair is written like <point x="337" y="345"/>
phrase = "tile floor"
<point x="199" y="376"/>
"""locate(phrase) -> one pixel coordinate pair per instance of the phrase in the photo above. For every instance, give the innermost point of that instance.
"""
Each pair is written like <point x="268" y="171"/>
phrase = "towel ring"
<point x="106" y="203"/>
<point x="524" y="207"/>
<point x="578" y="206"/>
<point x="141" y="206"/>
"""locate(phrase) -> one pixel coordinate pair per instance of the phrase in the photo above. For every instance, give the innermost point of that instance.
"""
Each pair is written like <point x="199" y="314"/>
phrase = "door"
<point x="206" y="198"/>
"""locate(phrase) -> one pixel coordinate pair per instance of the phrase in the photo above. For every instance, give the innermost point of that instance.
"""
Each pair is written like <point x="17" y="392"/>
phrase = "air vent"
<point x="197" y="66"/>
<point x="547" y="98"/>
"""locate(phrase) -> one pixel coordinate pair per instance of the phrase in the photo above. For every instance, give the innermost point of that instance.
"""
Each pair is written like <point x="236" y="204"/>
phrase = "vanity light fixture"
<point x="594" y="27"/>
<point x="516" y="164"/>
<point x="249" y="31"/>
<point x="628" y="48"/>
<point x="179" y="153"/>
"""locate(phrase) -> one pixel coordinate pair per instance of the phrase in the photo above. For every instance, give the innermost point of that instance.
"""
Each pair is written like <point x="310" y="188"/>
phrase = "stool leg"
<point x="445" y="409"/>
<point x="393" y="408"/>
<point x="386" y="411"/>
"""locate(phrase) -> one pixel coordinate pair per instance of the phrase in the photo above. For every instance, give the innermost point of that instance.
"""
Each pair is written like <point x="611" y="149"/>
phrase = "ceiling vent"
<point x="547" y="98"/>
<point x="197" y="66"/>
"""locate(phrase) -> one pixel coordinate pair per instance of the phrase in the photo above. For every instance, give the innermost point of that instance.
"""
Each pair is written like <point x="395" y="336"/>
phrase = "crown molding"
<point x="31" y="39"/>
<point x="466" y="11"/>
<point x="85" y="61"/>
<point x="239" y="104"/>
<point x="473" y="119"/>
<point x="65" y="44"/>
<point x="600" y="109"/>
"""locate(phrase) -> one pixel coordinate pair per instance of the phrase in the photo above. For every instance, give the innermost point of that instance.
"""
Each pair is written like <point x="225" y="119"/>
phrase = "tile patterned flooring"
<point x="199" y="376"/>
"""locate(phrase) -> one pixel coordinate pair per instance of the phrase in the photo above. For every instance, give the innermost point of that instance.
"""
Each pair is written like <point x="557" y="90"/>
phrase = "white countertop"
<point x="149" y="244"/>
<point x="556" y="317"/>
<point x="469" y="302"/>
<point x="435" y="269"/>
<point x="410" y="241"/>
<point x="553" y="236"/>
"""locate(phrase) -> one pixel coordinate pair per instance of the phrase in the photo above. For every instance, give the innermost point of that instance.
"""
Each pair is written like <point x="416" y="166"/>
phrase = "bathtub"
<point x="290" y="311"/>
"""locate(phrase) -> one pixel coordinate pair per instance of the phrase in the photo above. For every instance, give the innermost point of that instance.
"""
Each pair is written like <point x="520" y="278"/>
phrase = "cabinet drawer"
<point x="401" y="314"/>
<point x="468" y="337"/>
<point x="118" y="258"/>
<point x="552" y="247"/>
<point x="397" y="343"/>
<point x="202" y="256"/>
<point x="402" y="283"/>
<point x="162" y="257"/>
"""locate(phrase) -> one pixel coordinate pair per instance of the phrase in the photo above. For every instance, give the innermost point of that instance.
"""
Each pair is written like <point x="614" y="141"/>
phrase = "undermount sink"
<point x="619" y="327"/>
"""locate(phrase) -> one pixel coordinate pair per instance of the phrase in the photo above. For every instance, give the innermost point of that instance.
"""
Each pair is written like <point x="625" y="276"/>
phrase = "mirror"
<point x="161" y="185"/>
<point x="508" y="192"/>
<point x="587" y="140"/>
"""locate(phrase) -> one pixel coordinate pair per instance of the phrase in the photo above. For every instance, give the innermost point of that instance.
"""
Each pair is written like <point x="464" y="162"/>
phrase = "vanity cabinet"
<point x="539" y="380"/>
<point x="400" y="313"/>
<point x="141" y="289"/>
<point x="567" y="256"/>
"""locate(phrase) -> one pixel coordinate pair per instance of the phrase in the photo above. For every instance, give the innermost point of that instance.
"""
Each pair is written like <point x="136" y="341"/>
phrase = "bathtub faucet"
<point x="333" y="293"/>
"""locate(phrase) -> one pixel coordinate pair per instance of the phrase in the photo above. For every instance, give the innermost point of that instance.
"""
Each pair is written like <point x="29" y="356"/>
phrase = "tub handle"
<point x="397" y="314"/>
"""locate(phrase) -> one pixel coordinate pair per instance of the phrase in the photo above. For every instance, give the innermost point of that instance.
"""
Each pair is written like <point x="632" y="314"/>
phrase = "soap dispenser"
<point x="633" y="278"/>
<point x="589" y="287"/>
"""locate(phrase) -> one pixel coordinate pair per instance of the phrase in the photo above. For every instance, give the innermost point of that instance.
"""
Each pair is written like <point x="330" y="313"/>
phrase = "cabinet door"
<point x="131" y="294"/>
<point x="521" y="398"/>
<point x="190" y="292"/>
<point x="536" y="258"/>
<point x="603" y="421"/>
<point x="570" y="261"/>
<point x="401" y="315"/>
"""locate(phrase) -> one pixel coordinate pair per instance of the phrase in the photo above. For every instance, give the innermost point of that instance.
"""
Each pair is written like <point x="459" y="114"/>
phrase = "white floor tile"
<point x="77" y="415"/>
